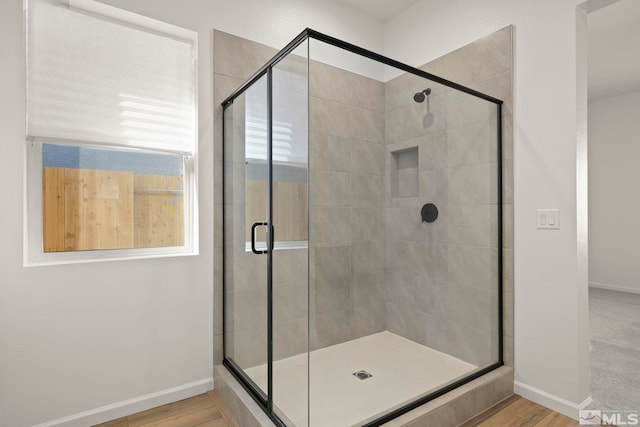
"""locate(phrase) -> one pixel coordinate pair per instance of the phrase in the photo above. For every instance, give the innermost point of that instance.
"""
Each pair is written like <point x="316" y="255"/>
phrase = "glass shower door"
<point x="290" y="188"/>
<point x="245" y="250"/>
<point x="266" y="238"/>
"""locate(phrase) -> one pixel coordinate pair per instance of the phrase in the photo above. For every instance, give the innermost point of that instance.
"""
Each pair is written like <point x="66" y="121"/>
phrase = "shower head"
<point x="420" y="96"/>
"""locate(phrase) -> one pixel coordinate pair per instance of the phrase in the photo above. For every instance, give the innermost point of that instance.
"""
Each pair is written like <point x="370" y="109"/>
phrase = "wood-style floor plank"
<point x="206" y="410"/>
<point x="220" y="422"/>
<point x="521" y="413"/>
<point x="194" y="418"/>
<point x="120" y="422"/>
<point x="197" y="411"/>
<point x="555" y="419"/>
<point x="171" y="410"/>
<point x="223" y="409"/>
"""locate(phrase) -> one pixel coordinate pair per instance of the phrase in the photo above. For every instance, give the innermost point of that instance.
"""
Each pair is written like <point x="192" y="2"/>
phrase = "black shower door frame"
<point x="266" y="401"/>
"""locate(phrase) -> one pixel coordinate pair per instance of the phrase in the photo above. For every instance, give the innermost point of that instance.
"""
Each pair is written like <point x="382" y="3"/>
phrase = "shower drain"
<point x="362" y="375"/>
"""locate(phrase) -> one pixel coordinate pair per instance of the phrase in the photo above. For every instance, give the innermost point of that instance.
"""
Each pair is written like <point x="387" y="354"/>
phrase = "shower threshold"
<point x="401" y="370"/>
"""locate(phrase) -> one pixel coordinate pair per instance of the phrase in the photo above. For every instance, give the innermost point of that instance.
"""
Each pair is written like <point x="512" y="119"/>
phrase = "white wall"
<point x="614" y="206"/>
<point x="551" y="340"/>
<point x="78" y="337"/>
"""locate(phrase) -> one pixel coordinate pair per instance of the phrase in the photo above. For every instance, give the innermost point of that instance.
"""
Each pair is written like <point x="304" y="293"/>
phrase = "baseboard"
<point x="131" y="406"/>
<point x="558" y="404"/>
<point x="614" y="288"/>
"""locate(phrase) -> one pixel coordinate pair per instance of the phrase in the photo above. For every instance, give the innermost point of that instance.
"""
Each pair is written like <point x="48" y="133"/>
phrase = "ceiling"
<point x="614" y="49"/>
<point x="380" y="9"/>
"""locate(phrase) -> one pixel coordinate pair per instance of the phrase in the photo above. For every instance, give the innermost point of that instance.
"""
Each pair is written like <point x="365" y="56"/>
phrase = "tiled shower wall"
<point x="346" y="201"/>
<point x="370" y="250"/>
<point x="487" y="66"/>
<point x="440" y="277"/>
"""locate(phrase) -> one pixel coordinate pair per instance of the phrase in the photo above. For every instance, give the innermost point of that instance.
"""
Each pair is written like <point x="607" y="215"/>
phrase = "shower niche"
<point x="404" y="173"/>
<point x="343" y="305"/>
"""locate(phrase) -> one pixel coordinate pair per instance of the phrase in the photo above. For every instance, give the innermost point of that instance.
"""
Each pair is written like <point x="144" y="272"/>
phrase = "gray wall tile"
<point x="329" y="153"/>
<point x="367" y="158"/>
<point x="329" y="189"/>
<point x="366" y="191"/>
<point x="237" y="57"/>
<point x="330" y="224"/>
<point x="329" y="118"/>
<point x="366" y="125"/>
<point x="367" y="224"/>
<point x="328" y="82"/>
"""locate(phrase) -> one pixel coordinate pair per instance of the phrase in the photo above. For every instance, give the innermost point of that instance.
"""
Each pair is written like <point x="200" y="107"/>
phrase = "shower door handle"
<point x="253" y="237"/>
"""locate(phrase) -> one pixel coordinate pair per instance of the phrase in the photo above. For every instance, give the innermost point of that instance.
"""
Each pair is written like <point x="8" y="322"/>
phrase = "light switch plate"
<point x="548" y="219"/>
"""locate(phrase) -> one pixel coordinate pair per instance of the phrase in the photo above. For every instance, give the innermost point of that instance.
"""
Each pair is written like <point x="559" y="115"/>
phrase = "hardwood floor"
<point x="519" y="412"/>
<point x="205" y="410"/>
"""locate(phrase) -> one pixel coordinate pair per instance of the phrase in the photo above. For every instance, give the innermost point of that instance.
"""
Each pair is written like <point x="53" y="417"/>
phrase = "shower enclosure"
<point x="362" y="235"/>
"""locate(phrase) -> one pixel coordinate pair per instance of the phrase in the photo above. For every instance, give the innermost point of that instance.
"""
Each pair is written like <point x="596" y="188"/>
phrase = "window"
<point x="111" y="134"/>
<point x="110" y="199"/>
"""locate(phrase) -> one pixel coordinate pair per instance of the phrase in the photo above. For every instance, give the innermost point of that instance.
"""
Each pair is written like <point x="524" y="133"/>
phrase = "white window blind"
<point x="100" y="74"/>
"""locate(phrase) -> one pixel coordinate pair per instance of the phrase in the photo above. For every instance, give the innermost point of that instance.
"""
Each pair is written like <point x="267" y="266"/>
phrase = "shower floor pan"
<point x="400" y="370"/>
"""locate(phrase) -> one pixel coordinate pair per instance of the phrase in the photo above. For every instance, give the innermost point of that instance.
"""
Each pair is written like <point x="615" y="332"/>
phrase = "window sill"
<point x="83" y="257"/>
